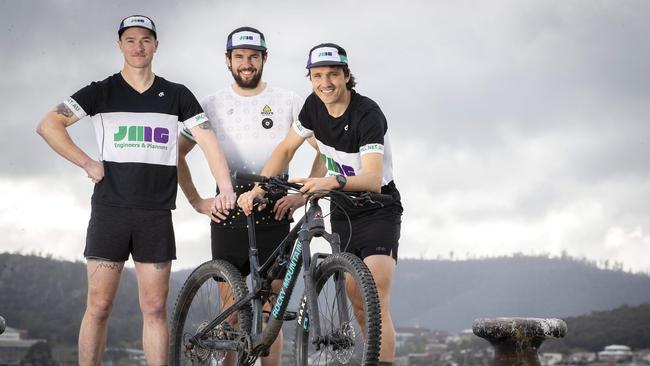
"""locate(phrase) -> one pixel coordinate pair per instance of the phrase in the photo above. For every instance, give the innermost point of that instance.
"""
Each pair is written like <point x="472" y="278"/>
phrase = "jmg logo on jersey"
<point x="334" y="167"/>
<point x="142" y="134"/>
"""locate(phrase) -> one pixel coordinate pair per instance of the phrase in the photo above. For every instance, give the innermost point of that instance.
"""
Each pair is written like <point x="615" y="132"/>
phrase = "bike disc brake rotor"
<point x="345" y="349"/>
<point x="204" y="356"/>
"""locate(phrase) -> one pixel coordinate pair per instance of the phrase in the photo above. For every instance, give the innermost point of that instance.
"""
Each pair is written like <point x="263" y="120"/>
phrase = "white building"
<point x="615" y="352"/>
<point x="14" y="346"/>
<point x="550" y="359"/>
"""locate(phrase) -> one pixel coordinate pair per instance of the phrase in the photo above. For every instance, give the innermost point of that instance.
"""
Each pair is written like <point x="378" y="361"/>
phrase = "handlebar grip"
<point x="383" y="198"/>
<point x="260" y="201"/>
<point x="249" y="178"/>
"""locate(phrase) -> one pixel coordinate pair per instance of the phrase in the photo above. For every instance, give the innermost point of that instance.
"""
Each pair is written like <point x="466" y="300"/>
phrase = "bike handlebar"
<point x="281" y="181"/>
<point x="250" y="178"/>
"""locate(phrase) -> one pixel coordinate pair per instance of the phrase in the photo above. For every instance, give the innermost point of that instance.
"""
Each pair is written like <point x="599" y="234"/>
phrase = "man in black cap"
<point x="136" y="115"/>
<point x="352" y="135"/>
<point x="250" y="118"/>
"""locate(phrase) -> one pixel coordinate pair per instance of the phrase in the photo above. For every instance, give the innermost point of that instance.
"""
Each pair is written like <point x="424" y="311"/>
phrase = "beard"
<point x="251" y="83"/>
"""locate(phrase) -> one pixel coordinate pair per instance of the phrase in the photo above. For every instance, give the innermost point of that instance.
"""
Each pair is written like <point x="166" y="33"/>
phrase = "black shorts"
<point x="232" y="244"/>
<point x="376" y="233"/>
<point x="116" y="232"/>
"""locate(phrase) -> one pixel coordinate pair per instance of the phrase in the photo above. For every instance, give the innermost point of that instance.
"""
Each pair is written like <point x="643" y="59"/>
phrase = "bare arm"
<point x="53" y="129"/>
<point x="287" y="204"/>
<point x="318" y="168"/>
<point x="204" y="206"/>
<point x="278" y="161"/>
<point x="369" y="180"/>
<point x="207" y="141"/>
<point x="184" y="176"/>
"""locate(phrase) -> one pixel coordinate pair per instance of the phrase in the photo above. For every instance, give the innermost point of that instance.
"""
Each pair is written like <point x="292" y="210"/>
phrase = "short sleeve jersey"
<point x="362" y="129"/>
<point x="249" y="129"/>
<point x="137" y="134"/>
<point x="342" y="141"/>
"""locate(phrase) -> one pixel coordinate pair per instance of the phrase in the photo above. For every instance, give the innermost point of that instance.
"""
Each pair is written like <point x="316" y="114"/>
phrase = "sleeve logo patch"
<point x="298" y="126"/>
<point x="72" y="103"/>
<point x="372" y="148"/>
<point x="200" y="118"/>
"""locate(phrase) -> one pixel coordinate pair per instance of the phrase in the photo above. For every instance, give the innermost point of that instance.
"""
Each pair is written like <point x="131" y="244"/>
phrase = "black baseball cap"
<point x="246" y="37"/>
<point x="327" y="54"/>
<point x="139" y="21"/>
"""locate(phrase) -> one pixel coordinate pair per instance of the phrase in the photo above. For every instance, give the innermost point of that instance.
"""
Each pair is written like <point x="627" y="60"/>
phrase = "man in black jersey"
<point x="136" y="115"/>
<point x="352" y="136"/>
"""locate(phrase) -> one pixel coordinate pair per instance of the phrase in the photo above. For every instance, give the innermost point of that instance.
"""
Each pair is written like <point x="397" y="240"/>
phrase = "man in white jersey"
<point x="136" y="115"/>
<point x="250" y="118"/>
<point x="352" y="135"/>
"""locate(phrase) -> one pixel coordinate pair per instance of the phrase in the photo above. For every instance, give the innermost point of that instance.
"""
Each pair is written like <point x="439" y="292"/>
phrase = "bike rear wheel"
<point x="344" y="342"/>
<point x="199" y="302"/>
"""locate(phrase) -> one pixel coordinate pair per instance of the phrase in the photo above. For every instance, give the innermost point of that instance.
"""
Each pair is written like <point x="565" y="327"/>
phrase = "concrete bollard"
<point x="516" y="340"/>
<point x="3" y="325"/>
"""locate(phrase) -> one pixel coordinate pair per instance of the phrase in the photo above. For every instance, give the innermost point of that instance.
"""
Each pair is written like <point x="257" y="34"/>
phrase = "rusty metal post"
<point x="516" y="340"/>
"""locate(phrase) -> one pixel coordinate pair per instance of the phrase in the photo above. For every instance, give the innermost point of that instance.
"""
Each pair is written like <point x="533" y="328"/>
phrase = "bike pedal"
<point x="289" y="316"/>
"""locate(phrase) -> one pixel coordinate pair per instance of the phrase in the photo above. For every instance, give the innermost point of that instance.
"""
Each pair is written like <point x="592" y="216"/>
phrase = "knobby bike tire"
<point x="365" y="350"/>
<point x="198" y="303"/>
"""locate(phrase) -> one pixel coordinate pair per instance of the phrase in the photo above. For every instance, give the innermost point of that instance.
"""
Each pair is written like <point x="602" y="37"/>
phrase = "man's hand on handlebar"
<point x="311" y="185"/>
<point x="287" y="205"/>
<point x="246" y="200"/>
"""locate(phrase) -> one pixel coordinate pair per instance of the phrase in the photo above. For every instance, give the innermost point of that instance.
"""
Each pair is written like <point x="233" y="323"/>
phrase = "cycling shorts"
<point x="115" y="232"/>
<point x="232" y="245"/>
<point x="377" y="232"/>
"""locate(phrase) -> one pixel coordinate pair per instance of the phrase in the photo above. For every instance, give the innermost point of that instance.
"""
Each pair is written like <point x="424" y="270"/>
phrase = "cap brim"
<point x="248" y="47"/>
<point x="119" y="33"/>
<point x="326" y="63"/>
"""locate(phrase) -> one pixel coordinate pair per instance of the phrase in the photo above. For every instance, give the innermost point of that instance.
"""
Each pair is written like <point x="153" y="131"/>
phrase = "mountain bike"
<point x="217" y="320"/>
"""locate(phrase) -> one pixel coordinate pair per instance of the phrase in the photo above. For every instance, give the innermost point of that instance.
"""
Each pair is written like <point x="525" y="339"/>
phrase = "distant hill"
<point x="47" y="296"/>
<point x="449" y="295"/>
<point x="628" y="325"/>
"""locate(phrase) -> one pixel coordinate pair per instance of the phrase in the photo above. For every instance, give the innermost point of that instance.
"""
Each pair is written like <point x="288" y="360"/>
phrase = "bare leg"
<point x="103" y="281"/>
<point x="227" y="299"/>
<point x="153" y="286"/>
<point x="382" y="268"/>
<point x="275" y="352"/>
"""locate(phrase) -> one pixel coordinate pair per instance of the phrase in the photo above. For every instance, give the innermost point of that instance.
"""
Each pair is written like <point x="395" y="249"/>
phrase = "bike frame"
<point x="311" y="225"/>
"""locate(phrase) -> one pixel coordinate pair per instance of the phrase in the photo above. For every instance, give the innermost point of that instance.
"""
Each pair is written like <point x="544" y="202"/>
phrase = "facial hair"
<point x="248" y="84"/>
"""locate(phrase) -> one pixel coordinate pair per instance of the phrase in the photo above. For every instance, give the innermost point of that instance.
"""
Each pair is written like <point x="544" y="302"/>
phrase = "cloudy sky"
<point x="517" y="126"/>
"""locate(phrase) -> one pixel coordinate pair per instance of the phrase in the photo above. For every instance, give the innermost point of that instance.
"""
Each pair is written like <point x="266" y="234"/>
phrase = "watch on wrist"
<point x="341" y="180"/>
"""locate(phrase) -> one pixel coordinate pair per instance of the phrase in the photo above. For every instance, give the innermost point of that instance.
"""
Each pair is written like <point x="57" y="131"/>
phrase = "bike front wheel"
<point x="205" y="294"/>
<point x="346" y="338"/>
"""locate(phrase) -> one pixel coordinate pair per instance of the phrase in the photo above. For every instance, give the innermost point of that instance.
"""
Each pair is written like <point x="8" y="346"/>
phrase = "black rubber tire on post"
<point x="365" y="350"/>
<point x="198" y="303"/>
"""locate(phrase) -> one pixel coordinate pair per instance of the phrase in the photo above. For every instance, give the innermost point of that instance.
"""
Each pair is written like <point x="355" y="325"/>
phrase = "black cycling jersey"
<point x="137" y="136"/>
<point x="361" y="129"/>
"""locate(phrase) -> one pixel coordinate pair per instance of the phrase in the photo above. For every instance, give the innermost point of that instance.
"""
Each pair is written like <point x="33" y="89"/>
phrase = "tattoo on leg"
<point x="161" y="265"/>
<point x="108" y="265"/>
<point x="64" y="110"/>
<point x="205" y="126"/>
